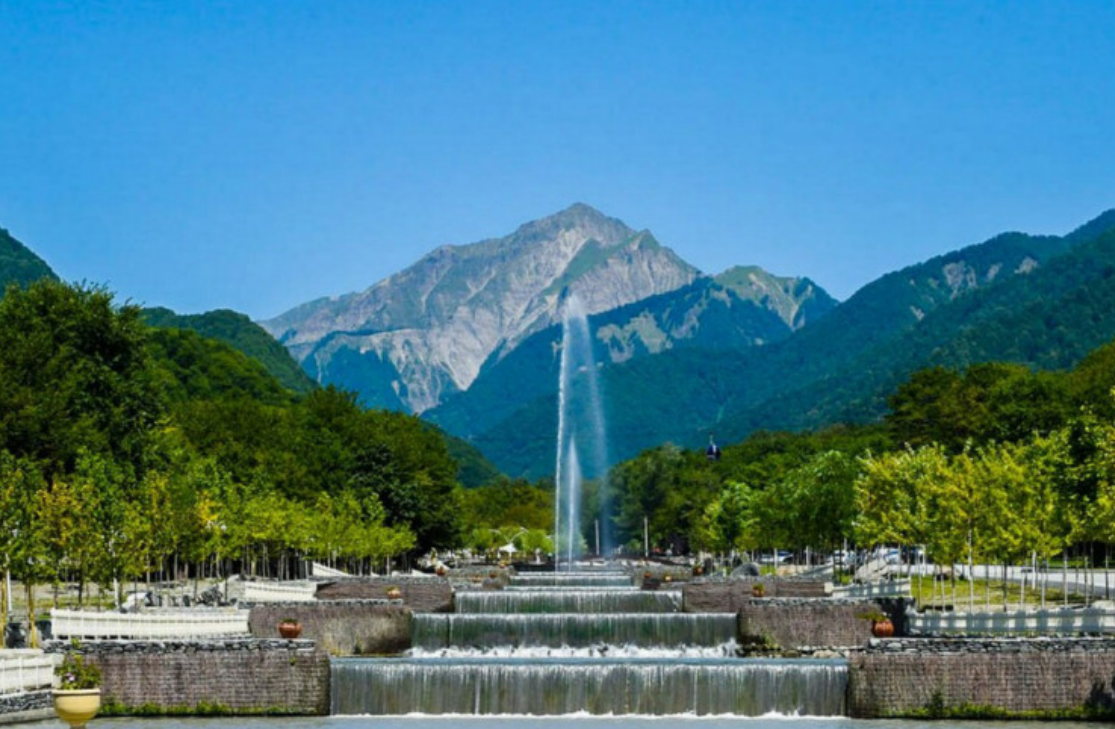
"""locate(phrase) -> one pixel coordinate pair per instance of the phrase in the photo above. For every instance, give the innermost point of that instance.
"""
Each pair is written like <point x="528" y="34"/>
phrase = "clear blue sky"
<point x="255" y="155"/>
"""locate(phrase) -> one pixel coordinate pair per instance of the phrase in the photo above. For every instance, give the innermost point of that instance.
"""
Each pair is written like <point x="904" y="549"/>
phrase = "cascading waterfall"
<point x="651" y="631"/>
<point x="568" y="588"/>
<point x="569" y="601"/>
<point x="558" y="686"/>
<point x="594" y="649"/>
<point x="577" y="581"/>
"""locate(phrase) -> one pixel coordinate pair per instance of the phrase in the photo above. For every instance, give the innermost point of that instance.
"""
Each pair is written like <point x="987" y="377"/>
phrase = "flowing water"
<point x="572" y="630"/>
<point x="569" y="601"/>
<point x="518" y="722"/>
<point x="576" y="650"/>
<point x="577" y="580"/>
<point x="557" y="686"/>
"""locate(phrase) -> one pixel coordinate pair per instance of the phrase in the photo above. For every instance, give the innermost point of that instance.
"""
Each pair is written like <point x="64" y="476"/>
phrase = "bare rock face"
<point x="413" y="338"/>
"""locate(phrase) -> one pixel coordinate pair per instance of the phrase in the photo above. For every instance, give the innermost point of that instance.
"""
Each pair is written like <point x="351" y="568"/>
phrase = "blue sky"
<point x="255" y="155"/>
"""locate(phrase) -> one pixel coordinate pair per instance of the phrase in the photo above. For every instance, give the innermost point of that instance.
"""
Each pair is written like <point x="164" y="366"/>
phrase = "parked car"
<point x="784" y="557"/>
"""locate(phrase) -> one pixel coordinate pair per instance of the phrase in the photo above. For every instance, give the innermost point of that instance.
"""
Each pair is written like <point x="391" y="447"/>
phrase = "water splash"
<point x="580" y="437"/>
<point x="566" y="686"/>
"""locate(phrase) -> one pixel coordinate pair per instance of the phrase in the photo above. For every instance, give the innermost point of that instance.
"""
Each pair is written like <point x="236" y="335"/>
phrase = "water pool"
<point x="512" y="722"/>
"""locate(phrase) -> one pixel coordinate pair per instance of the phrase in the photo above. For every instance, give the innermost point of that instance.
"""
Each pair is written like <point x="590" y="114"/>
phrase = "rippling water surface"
<point x="512" y="722"/>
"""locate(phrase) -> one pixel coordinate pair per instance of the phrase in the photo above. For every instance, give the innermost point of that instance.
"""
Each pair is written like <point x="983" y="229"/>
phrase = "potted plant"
<point x="394" y="593"/>
<point x="78" y="696"/>
<point x="881" y="624"/>
<point x="290" y="628"/>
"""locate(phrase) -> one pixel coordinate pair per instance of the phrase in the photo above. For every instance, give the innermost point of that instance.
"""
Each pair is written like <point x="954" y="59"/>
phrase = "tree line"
<point x="128" y="452"/>
<point x="995" y="464"/>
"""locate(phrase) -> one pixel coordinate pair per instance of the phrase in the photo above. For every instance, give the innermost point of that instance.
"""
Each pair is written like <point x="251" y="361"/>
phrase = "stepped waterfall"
<point x="567" y="649"/>
<point x="581" y="639"/>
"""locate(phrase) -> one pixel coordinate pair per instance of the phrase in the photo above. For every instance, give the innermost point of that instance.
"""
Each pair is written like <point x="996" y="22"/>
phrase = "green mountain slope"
<point x="797" y="301"/>
<point x="1050" y="318"/>
<point x="707" y="314"/>
<point x="241" y="333"/>
<point x="473" y="469"/>
<point x="823" y="372"/>
<point x="18" y="264"/>
<point x="192" y="367"/>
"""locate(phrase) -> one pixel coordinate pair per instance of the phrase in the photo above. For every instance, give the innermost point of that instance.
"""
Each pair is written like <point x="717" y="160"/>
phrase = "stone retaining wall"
<point x="340" y="627"/>
<point x="225" y="676"/>
<point x="793" y="623"/>
<point x="26" y="706"/>
<point x="422" y="595"/>
<point x="730" y="596"/>
<point x="1020" y="677"/>
<point x="992" y="645"/>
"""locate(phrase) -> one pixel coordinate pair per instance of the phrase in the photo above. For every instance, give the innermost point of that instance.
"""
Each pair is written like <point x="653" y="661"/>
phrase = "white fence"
<point x="320" y="570"/>
<point x="279" y="591"/>
<point x="886" y="588"/>
<point x="1042" y="622"/>
<point x="200" y="623"/>
<point x="26" y="670"/>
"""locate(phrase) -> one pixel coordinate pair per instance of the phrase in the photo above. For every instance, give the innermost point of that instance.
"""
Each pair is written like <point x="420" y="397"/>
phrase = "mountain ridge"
<point x="19" y="264"/>
<point x="707" y="388"/>
<point x="703" y="314"/>
<point x="421" y="334"/>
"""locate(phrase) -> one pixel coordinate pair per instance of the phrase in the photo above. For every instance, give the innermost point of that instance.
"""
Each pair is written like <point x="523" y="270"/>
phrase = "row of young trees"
<point x="122" y="457"/>
<point x="995" y="465"/>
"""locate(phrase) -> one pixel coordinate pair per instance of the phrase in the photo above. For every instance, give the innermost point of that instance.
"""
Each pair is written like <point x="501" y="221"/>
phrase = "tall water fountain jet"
<point x="580" y="427"/>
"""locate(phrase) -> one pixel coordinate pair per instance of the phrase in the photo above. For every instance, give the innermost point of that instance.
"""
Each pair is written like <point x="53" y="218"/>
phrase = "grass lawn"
<point x="929" y="594"/>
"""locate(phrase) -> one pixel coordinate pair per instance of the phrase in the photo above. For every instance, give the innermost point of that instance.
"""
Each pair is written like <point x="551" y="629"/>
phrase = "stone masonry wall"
<point x="894" y="678"/>
<point x="239" y="676"/>
<point x="25" y="706"/>
<point x="802" y="623"/>
<point x="729" y="596"/>
<point x="429" y="595"/>
<point x="340" y="628"/>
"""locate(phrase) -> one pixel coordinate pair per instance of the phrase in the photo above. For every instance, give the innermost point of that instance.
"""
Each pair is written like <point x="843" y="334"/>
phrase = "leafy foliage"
<point x="241" y="333"/>
<point x="192" y="367"/>
<point x="75" y="673"/>
<point x="74" y="375"/>
<point x="125" y="450"/>
<point x="19" y="265"/>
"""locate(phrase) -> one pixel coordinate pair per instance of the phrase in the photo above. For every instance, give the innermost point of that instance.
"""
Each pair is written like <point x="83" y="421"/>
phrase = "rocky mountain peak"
<point x="796" y="300"/>
<point x="426" y="331"/>
<point x="578" y="220"/>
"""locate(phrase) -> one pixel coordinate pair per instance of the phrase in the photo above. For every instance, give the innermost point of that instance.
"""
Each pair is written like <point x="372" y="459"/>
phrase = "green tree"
<point x="729" y="524"/>
<point x="74" y="375"/>
<point x="821" y="500"/>
<point x="23" y="547"/>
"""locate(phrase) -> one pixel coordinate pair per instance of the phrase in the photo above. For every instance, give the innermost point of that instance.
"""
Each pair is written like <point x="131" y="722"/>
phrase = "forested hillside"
<point x="708" y="314"/>
<point x="1027" y="456"/>
<point x="18" y="264"/>
<point x="172" y="449"/>
<point x="241" y="333"/>
<point x="840" y="367"/>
